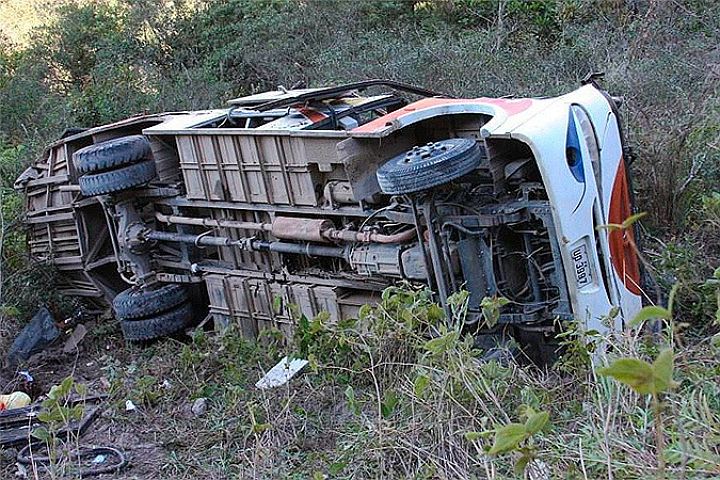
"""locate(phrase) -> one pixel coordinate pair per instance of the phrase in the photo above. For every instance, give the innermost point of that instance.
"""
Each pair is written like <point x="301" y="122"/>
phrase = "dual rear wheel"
<point x="153" y="312"/>
<point x="114" y="165"/>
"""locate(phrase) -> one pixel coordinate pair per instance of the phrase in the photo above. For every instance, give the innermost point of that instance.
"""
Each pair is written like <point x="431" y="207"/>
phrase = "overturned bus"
<point x="324" y="197"/>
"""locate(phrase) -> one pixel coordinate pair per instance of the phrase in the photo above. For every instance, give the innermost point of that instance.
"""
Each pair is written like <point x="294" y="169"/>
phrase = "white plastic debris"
<point x="537" y="470"/>
<point x="199" y="406"/>
<point x="130" y="406"/>
<point x="99" y="459"/>
<point x="21" y="471"/>
<point x="281" y="373"/>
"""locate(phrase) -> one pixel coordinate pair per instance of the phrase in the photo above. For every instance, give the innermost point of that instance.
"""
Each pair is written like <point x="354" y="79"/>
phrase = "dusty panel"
<point x="250" y="302"/>
<point x="53" y="232"/>
<point x="242" y="259"/>
<point x="268" y="169"/>
<point x="246" y="302"/>
<point x="311" y="300"/>
<point x="362" y="157"/>
<point x="166" y="160"/>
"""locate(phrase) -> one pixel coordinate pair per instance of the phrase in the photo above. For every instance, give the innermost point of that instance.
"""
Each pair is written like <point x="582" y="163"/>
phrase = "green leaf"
<point x="53" y="394"/>
<point x="441" y="344"/>
<point x="609" y="227"/>
<point x="520" y="465"/>
<point x="632" y="219"/>
<point x="41" y="433"/>
<point x="364" y="312"/>
<point x="663" y="371"/>
<point x="474" y="436"/>
<point x="81" y="389"/>
<point x="389" y="403"/>
<point x="277" y="304"/>
<point x="507" y="438"/>
<point x="420" y="385"/>
<point x="671" y="297"/>
<point x="77" y="412"/>
<point x="490" y="307"/>
<point x="637" y="374"/>
<point x="536" y="422"/>
<point x="336" y="468"/>
<point x="261" y="427"/>
<point x="643" y="377"/>
<point x="647" y="313"/>
<point x="435" y="313"/>
<point x="352" y="402"/>
<point x="66" y="386"/>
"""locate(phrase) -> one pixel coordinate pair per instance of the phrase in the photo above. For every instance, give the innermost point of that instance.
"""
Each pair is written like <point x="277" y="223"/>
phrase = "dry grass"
<point x="388" y="427"/>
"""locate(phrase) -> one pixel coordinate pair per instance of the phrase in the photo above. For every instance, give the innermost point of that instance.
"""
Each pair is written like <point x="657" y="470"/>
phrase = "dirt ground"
<point x="134" y="433"/>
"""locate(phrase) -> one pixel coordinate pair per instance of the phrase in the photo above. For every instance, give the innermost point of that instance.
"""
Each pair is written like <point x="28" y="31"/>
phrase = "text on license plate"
<point x="583" y="275"/>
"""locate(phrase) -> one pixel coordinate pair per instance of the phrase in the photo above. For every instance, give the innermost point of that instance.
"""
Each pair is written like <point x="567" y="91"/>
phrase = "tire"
<point x="429" y="166"/>
<point x="135" y="303"/>
<point x="117" y="180"/>
<point x="172" y="321"/>
<point x="112" y="154"/>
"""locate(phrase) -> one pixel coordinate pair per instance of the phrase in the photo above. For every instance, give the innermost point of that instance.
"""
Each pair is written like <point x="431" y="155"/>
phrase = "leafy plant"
<point x="491" y="309"/>
<point x="643" y="377"/>
<point x="58" y="414"/>
<point x="517" y="437"/>
<point x="653" y="379"/>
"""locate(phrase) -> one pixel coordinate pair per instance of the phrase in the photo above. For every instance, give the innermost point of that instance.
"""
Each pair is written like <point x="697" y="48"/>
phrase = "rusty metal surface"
<point x="307" y="229"/>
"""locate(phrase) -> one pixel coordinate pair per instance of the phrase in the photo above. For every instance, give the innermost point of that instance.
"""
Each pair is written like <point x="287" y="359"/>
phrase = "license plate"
<point x="583" y="275"/>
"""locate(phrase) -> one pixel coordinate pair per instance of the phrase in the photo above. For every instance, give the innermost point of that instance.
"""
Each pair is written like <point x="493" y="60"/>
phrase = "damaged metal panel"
<point x="256" y="304"/>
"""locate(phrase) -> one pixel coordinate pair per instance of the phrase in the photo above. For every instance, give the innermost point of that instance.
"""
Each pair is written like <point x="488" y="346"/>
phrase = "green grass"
<point x="381" y="396"/>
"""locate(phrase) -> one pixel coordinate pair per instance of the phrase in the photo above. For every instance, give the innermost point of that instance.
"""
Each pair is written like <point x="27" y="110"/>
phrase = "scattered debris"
<point x="71" y="344"/>
<point x="26" y="383"/>
<point x="130" y="406"/>
<point x="21" y="471"/>
<point x="16" y="424"/>
<point x="37" y="335"/>
<point x="80" y="457"/>
<point x="14" y="400"/>
<point x="281" y="373"/>
<point x="166" y="384"/>
<point x="199" y="406"/>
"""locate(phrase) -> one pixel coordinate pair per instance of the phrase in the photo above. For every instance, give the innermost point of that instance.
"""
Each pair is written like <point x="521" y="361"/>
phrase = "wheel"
<point x="112" y="154"/>
<point x="135" y="302"/>
<point x="429" y="166"/>
<point x="162" y="325"/>
<point x="117" y="180"/>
